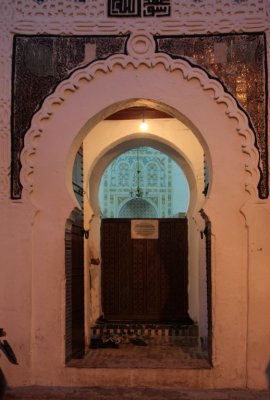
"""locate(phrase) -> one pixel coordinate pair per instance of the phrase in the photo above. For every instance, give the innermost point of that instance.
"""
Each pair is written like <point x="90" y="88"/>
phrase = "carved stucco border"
<point x="149" y="59"/>
<point x="70" y="18"/>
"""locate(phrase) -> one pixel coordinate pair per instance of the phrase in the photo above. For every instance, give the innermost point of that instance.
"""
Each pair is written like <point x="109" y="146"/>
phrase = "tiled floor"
<point x="160" y="352"/>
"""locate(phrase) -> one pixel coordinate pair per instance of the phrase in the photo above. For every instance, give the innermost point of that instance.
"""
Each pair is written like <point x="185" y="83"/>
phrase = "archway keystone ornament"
<point x="141" y="46"/>
<point x="141" y="77"/>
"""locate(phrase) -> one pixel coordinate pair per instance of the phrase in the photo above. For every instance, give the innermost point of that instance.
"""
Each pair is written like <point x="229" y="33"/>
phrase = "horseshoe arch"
<point x="90" y="95"/>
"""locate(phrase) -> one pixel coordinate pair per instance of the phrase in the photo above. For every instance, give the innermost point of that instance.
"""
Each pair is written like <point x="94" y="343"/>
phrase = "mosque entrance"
<point x="145" y="269"/>
<point x="143" y="291"/>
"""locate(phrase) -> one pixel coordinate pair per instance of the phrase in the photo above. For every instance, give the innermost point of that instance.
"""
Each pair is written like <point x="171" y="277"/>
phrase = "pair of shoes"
<point x="98" y="343"/>
<point x="110" y="343"/>
<point x="138" y="342"/>
<point x="95" y="343"/>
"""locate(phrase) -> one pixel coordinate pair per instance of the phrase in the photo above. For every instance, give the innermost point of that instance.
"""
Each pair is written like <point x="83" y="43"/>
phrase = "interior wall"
<point x="181" y="196"/>
<point x="162" y="183"/>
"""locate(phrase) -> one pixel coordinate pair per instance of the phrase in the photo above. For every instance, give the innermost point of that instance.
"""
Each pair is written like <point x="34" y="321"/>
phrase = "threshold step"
<point x="145" y="330"/>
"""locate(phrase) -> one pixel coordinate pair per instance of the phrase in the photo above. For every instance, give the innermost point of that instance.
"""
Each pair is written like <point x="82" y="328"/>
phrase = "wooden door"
<point x="77" y="240"/>
<point x="144" y="279"/>
<point x="74" y="254"/>
<point x="75" y="342"/>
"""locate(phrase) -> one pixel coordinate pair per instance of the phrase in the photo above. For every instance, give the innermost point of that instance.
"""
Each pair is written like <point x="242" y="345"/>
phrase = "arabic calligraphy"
<point x="124" y="8"/>
<point x="156" y="8"/>
<point x="139" y="8"/>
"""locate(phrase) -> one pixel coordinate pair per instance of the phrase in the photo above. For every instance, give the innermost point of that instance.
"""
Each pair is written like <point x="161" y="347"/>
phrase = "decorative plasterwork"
<point x="239" y="62"/>
<point x="42" y="62"/>
<point x="5" y="107"/>
<point x="187" y="16"/>
<point x="142" y="55"/>
<point x="67" y="17"/>
<point x="147" y="169"/>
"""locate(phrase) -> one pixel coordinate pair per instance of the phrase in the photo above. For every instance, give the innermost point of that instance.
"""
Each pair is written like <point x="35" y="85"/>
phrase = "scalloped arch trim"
<point x="188" y="71"/>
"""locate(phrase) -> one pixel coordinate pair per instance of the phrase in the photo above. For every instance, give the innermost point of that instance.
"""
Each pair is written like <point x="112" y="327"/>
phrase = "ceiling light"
<point x="143" y="126"/>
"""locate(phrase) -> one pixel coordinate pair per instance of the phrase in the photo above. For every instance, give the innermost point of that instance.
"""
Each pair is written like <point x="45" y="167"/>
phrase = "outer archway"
<point x="58" y="128"/>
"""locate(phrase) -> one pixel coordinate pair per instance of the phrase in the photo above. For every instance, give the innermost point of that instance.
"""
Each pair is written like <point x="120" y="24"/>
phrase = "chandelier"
<point x="137" y="193"/>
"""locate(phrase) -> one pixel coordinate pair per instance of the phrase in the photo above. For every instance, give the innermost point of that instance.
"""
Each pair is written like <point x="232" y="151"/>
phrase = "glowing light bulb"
<point x="143" y="126"/>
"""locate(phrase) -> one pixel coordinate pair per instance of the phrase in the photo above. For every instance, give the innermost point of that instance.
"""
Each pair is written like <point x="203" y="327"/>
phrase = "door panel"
<point x="144" y="279"/>
<point x="77" y="287"/>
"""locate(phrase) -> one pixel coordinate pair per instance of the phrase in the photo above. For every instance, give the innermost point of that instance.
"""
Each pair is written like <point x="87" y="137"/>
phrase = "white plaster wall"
<point x="16" y="287"/>
<point x="240" y="273"/>
<point x="258" y="330"/>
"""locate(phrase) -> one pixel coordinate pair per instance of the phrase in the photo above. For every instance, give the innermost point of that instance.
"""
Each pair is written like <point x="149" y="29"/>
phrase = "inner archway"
<point x="149" y="190"/>
<point x="188" y="153"/>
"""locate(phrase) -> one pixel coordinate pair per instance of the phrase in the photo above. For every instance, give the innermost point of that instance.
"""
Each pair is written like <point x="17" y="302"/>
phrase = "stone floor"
<point x="109" y="393"/>
<point x="159" y="352"/>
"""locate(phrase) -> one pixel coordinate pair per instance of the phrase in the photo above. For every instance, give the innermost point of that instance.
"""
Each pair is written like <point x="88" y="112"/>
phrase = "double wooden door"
<point x="144" y="279"/>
